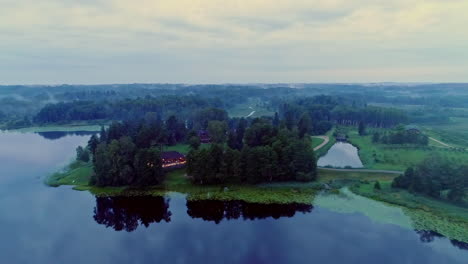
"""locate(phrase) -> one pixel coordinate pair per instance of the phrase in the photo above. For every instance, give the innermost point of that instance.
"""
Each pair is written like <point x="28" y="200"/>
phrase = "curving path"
<point x="326" y="139"/>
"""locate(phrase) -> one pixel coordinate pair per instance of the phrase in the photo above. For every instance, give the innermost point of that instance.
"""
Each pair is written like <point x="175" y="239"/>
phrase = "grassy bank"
<point x="426" y="213"/>
<point x="322" y="151"/>
<point x="78" y="175"/>
<point x="398" y="157"/>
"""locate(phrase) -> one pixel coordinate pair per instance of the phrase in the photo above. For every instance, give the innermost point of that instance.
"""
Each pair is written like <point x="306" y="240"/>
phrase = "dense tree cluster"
<point x="324" y="111"/>
<point x="186" y="107"/>
<point x="401" y="136"/>
<point x="264" y="154"/>
<point x="128" y="153"/>
<point x="436" y="177"/>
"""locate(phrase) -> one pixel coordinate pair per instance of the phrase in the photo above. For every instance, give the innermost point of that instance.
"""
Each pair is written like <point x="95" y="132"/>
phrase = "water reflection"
<point x="54" y="135"/>
<point x="341" y="155"/>
<point x="429" y="236"/>
<point x="212" y="210"/>
<point x="127" y="213"/>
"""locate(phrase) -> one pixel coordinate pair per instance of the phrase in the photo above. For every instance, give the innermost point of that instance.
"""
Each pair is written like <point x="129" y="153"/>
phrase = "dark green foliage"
<point x="276" y="120"/>
<point x="194" y="142"/>
<point x="259" y="133"/>
<point x="305" y="125"/>
<point x="362" y="128"/>
<point x="268" y="156"/>
<point x="325" y="110"/>
<point x="375" y="137"/>
<point x="192" y="107"/>
<point x="434" y="176"/>
<point x="377" y="186"/>
<point x="240" y="133"/>
<point x="82" y="154"/>
<point x="401" y="136"/>
<point x="147" y="164"/>
<point x="217" y="131"/>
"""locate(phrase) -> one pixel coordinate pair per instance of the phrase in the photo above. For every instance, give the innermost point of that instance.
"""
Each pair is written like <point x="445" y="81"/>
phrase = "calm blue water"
<point x="39" y="224"/>
<point x="341" y="155"/>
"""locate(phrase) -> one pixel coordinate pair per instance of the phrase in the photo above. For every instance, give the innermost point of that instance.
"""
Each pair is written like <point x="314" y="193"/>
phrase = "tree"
<point x="362" y="128"/>
<point x="304" y="125"/>
<point x="82" y="154"/>
<point x="240" y="133"/>
<point x="194" y="142"/>
<point x="217" y="130"/>
<point x="276" y="120"/>
<point x="93" y="143"/>
<point x="375" y="137"/>
<point x="148" y="167"/>
<point x="232" y="140"/>
<point x="377" y="186"/>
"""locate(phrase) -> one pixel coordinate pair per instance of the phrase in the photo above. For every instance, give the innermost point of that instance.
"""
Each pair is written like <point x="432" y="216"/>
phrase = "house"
<point x="413" y="129"/>
<point x="173" y="159"/>
<point x="204" y="136"/>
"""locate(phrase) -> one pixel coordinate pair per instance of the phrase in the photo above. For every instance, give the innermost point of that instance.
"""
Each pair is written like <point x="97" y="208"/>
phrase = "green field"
<point x="317" y="141"/>
<point x="454" y="133"/>
<point x="399" y="157"/>
<point x="253" y="104"/>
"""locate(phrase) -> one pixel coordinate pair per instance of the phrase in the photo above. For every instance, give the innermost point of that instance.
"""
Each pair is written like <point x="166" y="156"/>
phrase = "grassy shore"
<point x="399" y="157"/>
<point x="323" y="150"/>
<point x="425" y="212"/>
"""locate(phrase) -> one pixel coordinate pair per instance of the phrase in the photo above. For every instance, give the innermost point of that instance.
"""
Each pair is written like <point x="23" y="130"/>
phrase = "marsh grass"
<point x="425" y="212"/>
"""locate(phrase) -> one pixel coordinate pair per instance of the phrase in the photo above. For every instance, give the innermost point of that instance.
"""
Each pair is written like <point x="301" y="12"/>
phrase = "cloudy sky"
<point x="232" y="41"/>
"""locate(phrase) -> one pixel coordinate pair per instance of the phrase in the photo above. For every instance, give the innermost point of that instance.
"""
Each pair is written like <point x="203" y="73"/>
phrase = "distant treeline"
<point x="182" y="106"/>
<point x="324" y="111"/>
<point x="437" y="177"/>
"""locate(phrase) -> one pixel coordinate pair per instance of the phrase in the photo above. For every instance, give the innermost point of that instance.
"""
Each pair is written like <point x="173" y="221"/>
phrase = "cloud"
<point x="204" y="40"/>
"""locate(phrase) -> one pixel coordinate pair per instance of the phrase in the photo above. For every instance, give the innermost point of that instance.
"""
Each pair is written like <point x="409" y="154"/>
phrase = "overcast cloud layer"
<point x="235" y="41"/>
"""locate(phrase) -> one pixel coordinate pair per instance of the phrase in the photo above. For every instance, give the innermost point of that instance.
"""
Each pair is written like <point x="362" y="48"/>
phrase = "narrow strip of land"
<point x="362" y="170"/>
<point x="251" y="114"/>
<point x="326" y="139"/>
<point x="440" y="142"/>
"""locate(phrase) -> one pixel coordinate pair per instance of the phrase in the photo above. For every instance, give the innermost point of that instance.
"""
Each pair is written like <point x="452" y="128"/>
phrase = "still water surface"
<point x="39" y="224"/>
<point x="341" y="155"/>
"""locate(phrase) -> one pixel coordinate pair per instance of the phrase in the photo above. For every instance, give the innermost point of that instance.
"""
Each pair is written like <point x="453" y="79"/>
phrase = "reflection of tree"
<point x="429" y="236"/>
<point x="126" y="213"/>
<point x="460" y="245"/>
<point x="212" y="210"/>
<point x="54" y="135"/>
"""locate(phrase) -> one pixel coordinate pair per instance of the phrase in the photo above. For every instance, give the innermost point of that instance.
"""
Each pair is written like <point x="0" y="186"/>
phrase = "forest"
<point x="259" y="153"/>
<point x="436" y="177"/>
<point x="129" y="153"/>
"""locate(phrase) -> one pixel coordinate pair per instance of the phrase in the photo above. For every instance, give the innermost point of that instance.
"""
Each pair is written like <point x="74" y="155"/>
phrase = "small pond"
<point x="341" y="155"/>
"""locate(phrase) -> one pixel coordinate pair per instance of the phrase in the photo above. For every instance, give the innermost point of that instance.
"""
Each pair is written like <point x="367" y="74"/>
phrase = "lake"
<point x="40" y="224"/>
<point x="341" y="155"/>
